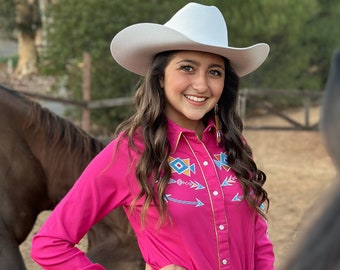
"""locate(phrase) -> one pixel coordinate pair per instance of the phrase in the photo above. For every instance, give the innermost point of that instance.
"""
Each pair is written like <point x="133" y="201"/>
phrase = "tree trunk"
<point x="27" y="62"/>
<point x="28" y="22"/>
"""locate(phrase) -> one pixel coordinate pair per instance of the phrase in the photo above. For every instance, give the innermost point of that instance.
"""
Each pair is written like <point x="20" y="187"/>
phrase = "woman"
<point x="179" y="166"/>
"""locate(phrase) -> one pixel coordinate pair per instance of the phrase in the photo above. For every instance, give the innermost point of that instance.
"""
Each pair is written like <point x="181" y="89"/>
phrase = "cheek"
<point x="168" y="93"/>
<point x="218" y="89"/>
<point x="174" y="85"/>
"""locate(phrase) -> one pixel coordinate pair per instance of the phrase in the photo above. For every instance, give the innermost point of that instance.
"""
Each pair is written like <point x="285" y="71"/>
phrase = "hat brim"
<point x="135" y="46"/>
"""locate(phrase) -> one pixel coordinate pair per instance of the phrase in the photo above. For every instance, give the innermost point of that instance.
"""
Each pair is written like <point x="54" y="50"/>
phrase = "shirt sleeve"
<point x="264" y="253"/>
<point x="101" y="188"/>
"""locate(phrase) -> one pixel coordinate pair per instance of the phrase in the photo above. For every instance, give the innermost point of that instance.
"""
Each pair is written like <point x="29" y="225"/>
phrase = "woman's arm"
<point x="264" y="253"/>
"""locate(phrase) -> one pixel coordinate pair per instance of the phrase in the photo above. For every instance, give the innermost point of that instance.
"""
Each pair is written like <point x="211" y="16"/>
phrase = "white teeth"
<point x="197" y="99"/>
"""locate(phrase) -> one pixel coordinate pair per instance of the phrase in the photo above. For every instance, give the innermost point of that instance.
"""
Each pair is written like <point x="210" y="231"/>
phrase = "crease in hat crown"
<point x="198" y="23"/>
<point x="195" y="27"/>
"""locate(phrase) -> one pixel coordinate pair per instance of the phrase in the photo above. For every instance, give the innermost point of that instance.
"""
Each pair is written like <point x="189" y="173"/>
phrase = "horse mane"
<point x="60" y="140"/>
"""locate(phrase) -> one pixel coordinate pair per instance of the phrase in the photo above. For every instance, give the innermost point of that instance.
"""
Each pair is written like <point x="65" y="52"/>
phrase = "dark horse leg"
<point x="117" y="256"/>
<point x="113" y="243"/>
<point x="10" y="256"/>
<point x="22" y="191"/>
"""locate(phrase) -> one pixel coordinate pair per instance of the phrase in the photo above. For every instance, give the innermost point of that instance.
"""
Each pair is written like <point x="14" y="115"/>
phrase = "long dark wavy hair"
<point x="150" y="123"/>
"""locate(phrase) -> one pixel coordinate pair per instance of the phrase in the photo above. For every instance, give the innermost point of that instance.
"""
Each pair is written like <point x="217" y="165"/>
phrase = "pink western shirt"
<point x="212" y="228"/>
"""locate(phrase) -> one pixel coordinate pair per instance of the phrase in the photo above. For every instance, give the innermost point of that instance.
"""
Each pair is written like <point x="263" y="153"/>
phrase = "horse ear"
<point x="330" y="111"/>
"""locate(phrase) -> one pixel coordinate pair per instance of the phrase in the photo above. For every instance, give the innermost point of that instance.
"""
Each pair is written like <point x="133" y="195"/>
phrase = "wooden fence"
<point x="250" y="102"/>
<point x="266" y="100"/>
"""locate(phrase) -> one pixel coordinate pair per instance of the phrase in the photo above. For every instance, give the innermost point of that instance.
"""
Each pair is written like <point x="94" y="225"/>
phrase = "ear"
<point x="161" y="81"/>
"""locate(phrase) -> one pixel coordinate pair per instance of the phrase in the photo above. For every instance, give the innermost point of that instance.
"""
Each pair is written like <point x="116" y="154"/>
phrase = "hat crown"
<point x="202" y="24"/>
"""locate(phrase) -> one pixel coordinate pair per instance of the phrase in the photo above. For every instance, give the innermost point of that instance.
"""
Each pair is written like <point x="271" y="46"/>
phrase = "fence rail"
<point x="248" y="97"/>
<point x="258" y="98"/>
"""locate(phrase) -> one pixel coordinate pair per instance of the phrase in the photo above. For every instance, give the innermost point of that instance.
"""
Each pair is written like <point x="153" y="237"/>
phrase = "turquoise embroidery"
<point x="228" y="181"/>
<point x="193" y="184"/>
<point x="181" y="166"/>
<point x="184" y="167"/>
<point x="237" y="198"/>
<point x="196" y="203"/>
<point x="221" y="161"/>
<point x="262" y="207"/>
<point x="197" y="185"/>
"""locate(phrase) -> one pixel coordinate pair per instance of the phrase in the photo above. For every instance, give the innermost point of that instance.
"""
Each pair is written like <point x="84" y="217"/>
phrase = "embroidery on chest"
<point x="188" y="185"/>
<point x="221" y="161"/>
<point x="181" y="166"/>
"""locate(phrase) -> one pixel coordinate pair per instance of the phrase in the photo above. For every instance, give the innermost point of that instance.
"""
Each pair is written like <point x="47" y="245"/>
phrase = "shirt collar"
<point x="175" y="133"/>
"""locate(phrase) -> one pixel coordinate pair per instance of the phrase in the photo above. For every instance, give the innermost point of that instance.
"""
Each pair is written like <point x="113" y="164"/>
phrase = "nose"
<point x="201" y="82"/>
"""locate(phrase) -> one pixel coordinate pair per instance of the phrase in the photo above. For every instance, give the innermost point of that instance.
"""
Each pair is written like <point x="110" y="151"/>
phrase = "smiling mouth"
<point x="196" y="99"/>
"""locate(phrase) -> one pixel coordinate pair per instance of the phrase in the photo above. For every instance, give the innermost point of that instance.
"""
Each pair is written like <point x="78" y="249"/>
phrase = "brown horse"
<point x="41" y="156"/>
<point x="320" y="249"/>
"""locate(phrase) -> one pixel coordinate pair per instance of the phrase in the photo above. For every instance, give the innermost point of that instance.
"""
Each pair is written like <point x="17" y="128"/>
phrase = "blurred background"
<point x="51" y="37"/>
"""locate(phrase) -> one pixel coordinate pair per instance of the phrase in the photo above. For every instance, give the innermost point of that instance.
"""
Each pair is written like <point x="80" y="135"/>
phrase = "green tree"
<point x="7" y="16"/>
<point x="23" y="16"/>
<point x="281" y="25"/>
<point x="322" y="37"/>
<point x="89" y="25"/>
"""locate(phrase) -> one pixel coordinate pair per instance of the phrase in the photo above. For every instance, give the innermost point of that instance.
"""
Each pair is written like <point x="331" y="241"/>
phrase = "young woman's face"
<point x="193" y="83"/>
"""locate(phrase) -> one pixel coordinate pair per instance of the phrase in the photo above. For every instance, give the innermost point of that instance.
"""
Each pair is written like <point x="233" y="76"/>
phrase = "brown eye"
<point x="187" y="68"/>
<point x="215" y="72"/>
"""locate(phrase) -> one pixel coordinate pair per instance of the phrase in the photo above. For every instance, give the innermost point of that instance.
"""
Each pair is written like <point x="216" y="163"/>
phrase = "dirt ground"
<point x="299" y="172"/>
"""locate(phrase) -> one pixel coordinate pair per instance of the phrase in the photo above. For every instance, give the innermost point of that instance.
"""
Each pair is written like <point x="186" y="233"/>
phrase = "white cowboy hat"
<point x="195" y="27"/>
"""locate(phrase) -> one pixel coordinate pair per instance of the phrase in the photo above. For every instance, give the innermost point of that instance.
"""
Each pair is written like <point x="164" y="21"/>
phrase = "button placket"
<point x="212" y="180"/>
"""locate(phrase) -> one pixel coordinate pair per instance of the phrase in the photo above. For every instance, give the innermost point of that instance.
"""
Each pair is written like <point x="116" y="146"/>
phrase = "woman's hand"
<point x="168" y="267"/>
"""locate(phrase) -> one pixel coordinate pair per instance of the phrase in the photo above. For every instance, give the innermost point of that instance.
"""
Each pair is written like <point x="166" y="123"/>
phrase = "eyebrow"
<point x="197" y="63"/>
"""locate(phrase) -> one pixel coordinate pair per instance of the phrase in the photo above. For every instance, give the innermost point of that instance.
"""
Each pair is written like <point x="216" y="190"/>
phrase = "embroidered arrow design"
<point x="197" y="203"/>
<point x="221" y="161"/>
<point x="237" y="198"/>
<point x="228" y="181"/>
<point x="196" y="185"/>
<point x="193" y="184"/>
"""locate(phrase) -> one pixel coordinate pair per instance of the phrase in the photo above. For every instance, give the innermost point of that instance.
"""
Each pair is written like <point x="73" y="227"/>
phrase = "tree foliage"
<point x="7" y="16"/>
<point x="22" y="15"/>
<point x="89" y="25"/>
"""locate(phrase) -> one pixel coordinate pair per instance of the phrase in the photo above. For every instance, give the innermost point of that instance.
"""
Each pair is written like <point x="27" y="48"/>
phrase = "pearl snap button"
<point x="221" y="227"/>
<point x="205" y="163"/>
<point x="224" y="261"/>
<point x="215" y="193"/>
